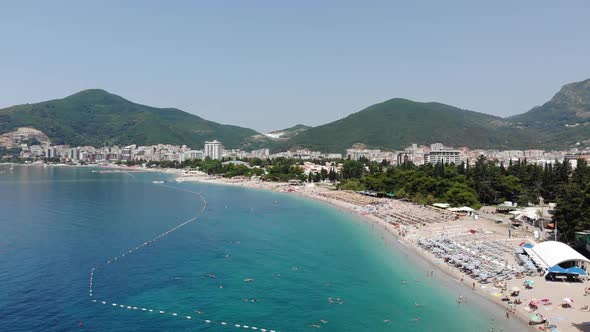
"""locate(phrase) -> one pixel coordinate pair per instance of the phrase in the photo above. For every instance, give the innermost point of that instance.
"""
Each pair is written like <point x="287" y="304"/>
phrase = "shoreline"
<point x="411" y="247"/>
<point x="403" y="238"/>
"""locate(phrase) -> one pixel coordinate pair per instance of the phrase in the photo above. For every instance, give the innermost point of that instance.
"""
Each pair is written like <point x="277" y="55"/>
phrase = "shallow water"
<point x="57" y="223"/>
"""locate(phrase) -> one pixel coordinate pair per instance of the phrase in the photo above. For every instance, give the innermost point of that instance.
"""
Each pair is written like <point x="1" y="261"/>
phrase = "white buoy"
<point x="103" y="302"/>
<point x="237" y="325"/>
<point x="174" y="314"/>
<point x="161" y="311"/>
<point x="207" y="321"/>
<point x="93" y="300"/>
<point x="189" y="317"/>
<point x="143" y="309"/>
<point x="151" y="310"/>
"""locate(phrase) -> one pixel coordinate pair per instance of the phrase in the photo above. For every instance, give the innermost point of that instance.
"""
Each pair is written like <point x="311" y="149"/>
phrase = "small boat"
<point x="158" y="182"/>
<point x="248" y="280"/>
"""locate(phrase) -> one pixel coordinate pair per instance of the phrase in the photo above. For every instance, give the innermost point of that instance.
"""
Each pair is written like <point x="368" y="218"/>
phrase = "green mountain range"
<point x="96" y="117"/>
<point x="397" y="123"/>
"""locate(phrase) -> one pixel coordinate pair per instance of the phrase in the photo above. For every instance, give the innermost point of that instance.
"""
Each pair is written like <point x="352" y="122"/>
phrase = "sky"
<point x="272" y="64"/>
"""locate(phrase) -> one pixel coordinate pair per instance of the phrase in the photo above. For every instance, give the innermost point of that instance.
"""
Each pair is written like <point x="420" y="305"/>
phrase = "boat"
<point x="158" y="181"/>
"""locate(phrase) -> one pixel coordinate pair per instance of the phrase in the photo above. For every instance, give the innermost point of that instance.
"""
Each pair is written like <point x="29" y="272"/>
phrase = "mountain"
<point x="96" y="117"/>
<point x="562" y="121"/>
<point x="287" y="133"/>
<point x="397" y="123"/>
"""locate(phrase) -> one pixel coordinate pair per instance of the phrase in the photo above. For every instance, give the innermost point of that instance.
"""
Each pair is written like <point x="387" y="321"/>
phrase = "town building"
<point x="213" y="150"/>
<point x="444" y="156"/>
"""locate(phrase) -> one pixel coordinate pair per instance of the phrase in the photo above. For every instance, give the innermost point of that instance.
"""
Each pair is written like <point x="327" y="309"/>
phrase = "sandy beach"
<point x="413" y="225"/>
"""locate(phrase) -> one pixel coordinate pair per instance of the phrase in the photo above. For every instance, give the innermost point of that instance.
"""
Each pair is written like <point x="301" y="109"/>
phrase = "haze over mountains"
<point x="96" y="117"/>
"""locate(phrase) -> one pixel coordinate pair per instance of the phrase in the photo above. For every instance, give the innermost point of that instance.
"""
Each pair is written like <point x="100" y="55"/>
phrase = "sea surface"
<point x="57" y="223"/>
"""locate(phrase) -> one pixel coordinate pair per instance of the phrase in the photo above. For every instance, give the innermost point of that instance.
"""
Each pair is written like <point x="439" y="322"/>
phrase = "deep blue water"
<point x="58" y="223"/>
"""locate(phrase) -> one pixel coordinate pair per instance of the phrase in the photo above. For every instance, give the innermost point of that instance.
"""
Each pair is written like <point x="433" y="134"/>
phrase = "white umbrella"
<point x="568" y="300"/>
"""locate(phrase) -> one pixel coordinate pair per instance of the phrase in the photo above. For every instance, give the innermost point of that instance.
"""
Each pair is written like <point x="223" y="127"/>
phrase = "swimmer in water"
<point x="386" y="321"/>
<point x="404" y="282"/>
<point x="314" y="325"/>
<point x="460" y="299"/>
<point x="323" y="321"/>
<point x="331" y="300"/>
<point x="417" y="304"/>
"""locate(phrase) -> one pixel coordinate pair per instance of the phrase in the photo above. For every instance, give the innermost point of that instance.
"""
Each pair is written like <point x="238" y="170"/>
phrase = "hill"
<point x="397" y="123"/>
<point x="96" y="117"/>
<point x="562" y="121"/>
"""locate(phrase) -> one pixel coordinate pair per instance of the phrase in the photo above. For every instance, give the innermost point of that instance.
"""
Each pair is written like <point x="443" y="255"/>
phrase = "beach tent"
<point x="441" y="205"/>
<point x="552" y="253"/>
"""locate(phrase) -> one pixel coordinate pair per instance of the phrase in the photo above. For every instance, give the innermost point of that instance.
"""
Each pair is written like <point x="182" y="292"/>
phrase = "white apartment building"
<point x="193" y="154"/>
<point x="443" y="156"/>
<point x="213" y="150"/>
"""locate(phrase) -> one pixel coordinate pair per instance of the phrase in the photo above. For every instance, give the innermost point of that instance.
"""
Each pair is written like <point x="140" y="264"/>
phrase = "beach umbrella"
<point x="568" y="300"/>
<point x="529" y="282"/>
<point x="534" y="302"/>
<point x="535" y="318"/>
<point x="515" y="289"/>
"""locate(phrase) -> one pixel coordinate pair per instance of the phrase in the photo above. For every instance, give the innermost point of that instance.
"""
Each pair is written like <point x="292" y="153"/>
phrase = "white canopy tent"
<point x="553" y="253"/>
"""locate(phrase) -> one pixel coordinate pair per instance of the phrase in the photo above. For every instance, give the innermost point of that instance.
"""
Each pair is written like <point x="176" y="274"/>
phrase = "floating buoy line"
<point x="158" y="311"/>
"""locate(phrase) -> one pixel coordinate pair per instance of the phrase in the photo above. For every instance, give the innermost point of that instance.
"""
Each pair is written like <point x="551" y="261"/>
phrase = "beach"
<point x="412" y="224"/>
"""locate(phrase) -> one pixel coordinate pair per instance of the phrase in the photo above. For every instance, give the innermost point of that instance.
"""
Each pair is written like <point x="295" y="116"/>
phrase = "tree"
<point x="572" y="209"/>
<point x="462" y="195"/>
<point x="332" y="175"/>
<point x="351" y="184"/>
<point x="352" y="169"/>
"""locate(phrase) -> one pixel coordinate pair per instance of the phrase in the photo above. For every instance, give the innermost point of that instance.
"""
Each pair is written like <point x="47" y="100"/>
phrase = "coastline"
<point x="410" y="246"/>
<point x="404" y="238"/>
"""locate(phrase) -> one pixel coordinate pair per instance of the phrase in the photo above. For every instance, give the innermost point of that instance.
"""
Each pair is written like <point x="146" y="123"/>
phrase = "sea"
<point x="253" y="260"/>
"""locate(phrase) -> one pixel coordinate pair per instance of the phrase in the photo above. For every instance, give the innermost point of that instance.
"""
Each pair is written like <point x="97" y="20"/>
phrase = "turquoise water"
<point x="57" y="223"/>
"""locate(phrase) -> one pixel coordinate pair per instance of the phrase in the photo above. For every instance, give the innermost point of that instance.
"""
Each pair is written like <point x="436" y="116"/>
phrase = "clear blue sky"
<point x="272" y="64"/>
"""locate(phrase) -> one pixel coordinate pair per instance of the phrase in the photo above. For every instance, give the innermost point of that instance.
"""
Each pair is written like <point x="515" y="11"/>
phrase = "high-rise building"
<point x="213" y="150"/>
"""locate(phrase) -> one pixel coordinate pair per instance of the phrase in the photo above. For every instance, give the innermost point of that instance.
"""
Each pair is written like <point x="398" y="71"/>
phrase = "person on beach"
<point x="507" y="314"/>
<point x="473" y="286"/>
